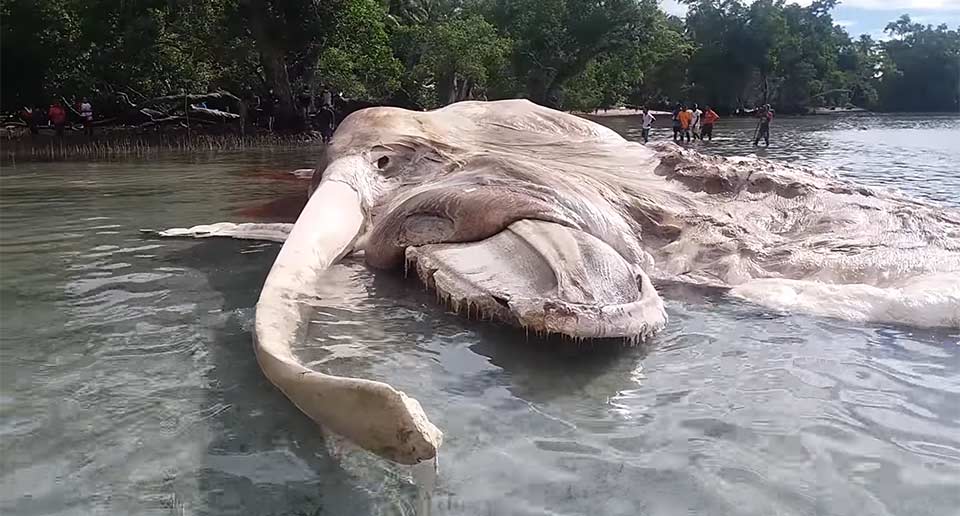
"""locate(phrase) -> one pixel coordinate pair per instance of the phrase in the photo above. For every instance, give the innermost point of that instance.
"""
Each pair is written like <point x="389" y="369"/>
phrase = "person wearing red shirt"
<point x="58" y="117"/>
<point x="709" y="118"/>
<point x="763" y="127"/>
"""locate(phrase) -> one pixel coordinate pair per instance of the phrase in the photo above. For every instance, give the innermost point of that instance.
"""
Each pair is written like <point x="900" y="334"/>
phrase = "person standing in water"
<point x="697" y="122"/>
<point x="710" y="117"/>
<point x="58" y="117"/>
<point x="326" y="98"/>
<point x="648" y="120"/>
<point x="27" y="115"/>
<point x="686" y="118"/>
<point x="763" y="127"/>
<point x="328" y="121"/>
<point x="677" y="126"/>
<point x="86" y="113"/>
<point x="269" y="109"/>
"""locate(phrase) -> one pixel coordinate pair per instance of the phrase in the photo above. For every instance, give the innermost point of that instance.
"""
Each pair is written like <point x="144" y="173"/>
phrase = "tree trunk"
<point x="464" y="89"/>
<point x="547" y="86"/>
<point x="766" y="88"/>
<point x="447" y="88"/>
<point x="543" y="90"/>
<point x="274" y="62"/>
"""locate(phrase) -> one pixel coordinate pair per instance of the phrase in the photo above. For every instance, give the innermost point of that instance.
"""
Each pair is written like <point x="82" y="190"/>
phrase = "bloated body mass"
<point x="550" y="222"/>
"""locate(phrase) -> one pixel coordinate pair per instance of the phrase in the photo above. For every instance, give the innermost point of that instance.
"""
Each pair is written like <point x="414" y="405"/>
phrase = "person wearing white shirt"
<point x="648" y="120"/>
<point x="697" y="122"/>
<point x="86" y="113"/>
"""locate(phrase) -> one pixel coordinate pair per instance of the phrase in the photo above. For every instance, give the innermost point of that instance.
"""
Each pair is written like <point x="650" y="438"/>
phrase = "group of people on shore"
<point x="693" y="123"/>
<point x="56" y="116"/>
<point x="688" y="123"/>
<point x="316" y="112"/>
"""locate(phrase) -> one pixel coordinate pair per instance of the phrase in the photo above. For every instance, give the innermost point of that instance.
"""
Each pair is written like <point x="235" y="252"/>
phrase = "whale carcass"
<point x="540" y="219"/>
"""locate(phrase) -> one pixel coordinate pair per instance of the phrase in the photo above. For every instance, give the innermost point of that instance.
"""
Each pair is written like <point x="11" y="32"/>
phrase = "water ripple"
<point x="129" y="385"/>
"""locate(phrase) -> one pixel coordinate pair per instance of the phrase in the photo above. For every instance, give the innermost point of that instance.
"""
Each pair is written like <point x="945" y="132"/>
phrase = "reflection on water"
<point x="129" y="384"/>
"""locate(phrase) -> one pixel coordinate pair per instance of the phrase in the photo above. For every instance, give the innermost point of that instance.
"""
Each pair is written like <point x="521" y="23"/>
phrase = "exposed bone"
<point x="275" y="232"/>
<point x="372" y="414"/>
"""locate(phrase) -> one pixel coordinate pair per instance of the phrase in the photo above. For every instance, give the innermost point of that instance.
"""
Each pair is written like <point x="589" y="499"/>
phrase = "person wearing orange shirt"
<point x="675" y="118"/>
<point x="709" y="118"/>
<point x="685" y="116"/>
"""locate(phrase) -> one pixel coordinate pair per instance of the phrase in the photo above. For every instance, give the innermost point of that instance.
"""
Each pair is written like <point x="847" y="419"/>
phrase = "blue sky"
<point x="871" y="16"/>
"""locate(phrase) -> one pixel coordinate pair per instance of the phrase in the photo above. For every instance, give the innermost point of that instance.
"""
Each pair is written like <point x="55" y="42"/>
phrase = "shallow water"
<point x="914" y="153"/>
<point x="129" y="385"/>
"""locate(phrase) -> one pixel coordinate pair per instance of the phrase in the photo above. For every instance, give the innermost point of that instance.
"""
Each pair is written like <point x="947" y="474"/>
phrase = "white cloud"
<point x="845" y="23"/>
<point x="890" y="5"/>
<point x="673" y="7"/>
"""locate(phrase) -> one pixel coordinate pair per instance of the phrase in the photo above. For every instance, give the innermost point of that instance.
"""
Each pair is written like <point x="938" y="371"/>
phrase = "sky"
<point x="871" y="16"/>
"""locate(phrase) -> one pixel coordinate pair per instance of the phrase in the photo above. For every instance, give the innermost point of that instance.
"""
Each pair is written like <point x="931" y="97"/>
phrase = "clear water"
<point x="129" y="384"/>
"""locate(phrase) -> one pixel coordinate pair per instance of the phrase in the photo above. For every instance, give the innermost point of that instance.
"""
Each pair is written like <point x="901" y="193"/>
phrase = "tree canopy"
<point x="570" y="54"/>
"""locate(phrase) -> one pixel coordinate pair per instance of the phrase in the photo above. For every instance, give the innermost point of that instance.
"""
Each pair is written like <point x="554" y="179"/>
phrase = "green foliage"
<point x="557" y="40"/>
<point x="152" y="47"/>
<point x="719" y="66"/>
<point x="810" y="58"/>
<point x="921" y="71"/>
<point x="451" y="59"/>
<point x="573" y="54"/>
<point x="796" y="58"/>
<point x="764" y="52"/>
<point x="636" y="74"/>
<point x="358" y="59"/>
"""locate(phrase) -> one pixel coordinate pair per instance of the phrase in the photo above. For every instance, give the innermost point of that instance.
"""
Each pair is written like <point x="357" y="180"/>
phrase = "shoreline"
<point x="610" y="113"/>
<point x="628" y="112"/>
<point x="109" y="144"/>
